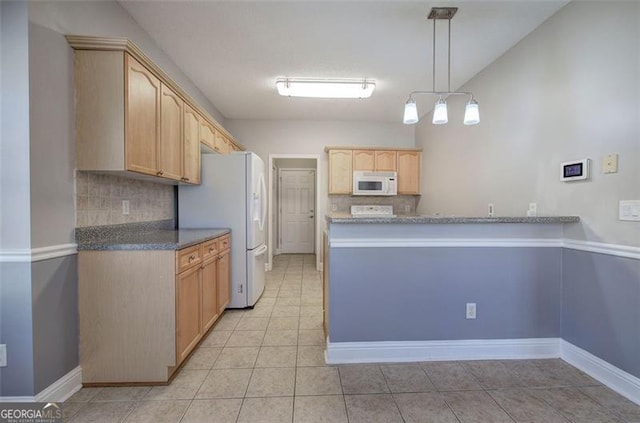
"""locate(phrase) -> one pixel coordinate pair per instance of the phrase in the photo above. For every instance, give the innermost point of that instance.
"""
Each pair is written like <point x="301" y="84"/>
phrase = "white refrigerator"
<point x="232" y="195"/>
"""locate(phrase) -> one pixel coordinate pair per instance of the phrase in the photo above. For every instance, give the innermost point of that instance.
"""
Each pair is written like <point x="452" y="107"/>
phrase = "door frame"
<point x="319" y="205"/>
<point x="315" y="205"/>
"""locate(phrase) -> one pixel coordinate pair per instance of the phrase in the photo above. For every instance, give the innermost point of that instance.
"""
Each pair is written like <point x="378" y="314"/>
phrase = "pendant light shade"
<point x="471" y="113"/>
<point x="410" y="112"/>
<point x="440" y="112"/>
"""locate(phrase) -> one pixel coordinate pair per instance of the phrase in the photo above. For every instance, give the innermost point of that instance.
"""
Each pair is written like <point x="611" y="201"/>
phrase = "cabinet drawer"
<point x="224" y="243"/>
<point x="210" y="249"/>
<point x="188" y="258"/>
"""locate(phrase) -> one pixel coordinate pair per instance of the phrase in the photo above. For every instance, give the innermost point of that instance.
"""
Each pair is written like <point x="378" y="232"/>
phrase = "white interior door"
<point x="297" y="210"/>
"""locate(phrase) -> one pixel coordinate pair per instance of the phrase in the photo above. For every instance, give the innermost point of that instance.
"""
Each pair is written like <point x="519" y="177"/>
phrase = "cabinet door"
<point x="363" y="160"/>
<point x="409" y="172"/>
<point x="209" y="294"/>
<point x="191" y="152"/>
<point x="170" y="150"/>
<point x="340" y="171"/>
<point x="224" y="280"/>
<point x="207" y="134"/>
<point x="187" y="312"/>
<point x="385" y="161"/>
<point x="218" y="144"/>
<point x="142" y="118"/>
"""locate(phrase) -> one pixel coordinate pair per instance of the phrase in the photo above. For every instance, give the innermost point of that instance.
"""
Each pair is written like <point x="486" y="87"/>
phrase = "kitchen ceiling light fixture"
<point x="472" y="112"/>
<point x="325" y="88"/>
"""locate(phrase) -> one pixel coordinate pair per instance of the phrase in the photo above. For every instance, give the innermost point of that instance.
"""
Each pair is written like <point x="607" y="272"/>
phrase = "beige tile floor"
<point x="266" y="365"/>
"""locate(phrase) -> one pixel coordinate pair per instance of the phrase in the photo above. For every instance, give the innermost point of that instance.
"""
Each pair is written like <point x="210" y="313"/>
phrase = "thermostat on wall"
<point x="575" y="170"/>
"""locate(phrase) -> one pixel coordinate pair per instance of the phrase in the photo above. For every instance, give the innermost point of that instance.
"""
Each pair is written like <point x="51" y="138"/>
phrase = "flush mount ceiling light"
<point x="471" y="113"/>
<point x="325" y="88"/>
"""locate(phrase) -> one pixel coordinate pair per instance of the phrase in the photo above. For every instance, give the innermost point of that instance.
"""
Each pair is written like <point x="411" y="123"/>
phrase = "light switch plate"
<point x="610" y="163"/>
<point x="629" y="210"/>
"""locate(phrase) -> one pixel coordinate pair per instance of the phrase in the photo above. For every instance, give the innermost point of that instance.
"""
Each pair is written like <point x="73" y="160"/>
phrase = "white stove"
<point x="372" y="211"/>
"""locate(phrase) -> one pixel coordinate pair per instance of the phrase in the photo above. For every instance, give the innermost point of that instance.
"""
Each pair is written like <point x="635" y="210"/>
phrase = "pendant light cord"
<point x="433" y="85"/>
<point x="449" y="54"/>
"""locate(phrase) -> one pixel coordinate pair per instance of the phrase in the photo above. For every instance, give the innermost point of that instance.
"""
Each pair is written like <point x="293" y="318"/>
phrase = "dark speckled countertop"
<point x="419" y="219"/>
<point x="159" y="235"/>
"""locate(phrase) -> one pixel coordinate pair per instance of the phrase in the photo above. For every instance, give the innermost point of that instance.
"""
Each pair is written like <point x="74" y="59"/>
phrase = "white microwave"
<point x="375" y="183"/>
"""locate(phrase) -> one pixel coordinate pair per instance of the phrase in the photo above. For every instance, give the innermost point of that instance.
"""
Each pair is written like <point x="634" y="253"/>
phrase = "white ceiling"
<point x="234" y="50"/>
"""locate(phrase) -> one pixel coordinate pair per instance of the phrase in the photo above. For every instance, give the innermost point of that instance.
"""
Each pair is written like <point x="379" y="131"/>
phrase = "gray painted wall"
<point x="601" y="306"/>
<point x="14" y="137"/>
<point x="55" y="319"/>
<point x="16" y="329"/>
<point x="15" y="287"/>
<point x="411" y="294"/>
<point x="568" y="90"/>
<point x="52" y="137"/>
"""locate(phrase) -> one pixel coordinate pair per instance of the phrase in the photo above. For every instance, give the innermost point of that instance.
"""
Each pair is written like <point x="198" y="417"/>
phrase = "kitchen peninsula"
<point x="400" y="288"/>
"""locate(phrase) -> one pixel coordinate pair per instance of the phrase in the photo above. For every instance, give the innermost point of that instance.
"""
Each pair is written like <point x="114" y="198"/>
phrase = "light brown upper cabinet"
<point x="374" y="160"/>
<point x="207" y="134"/>
<point x="409" y="172"/>
<point x="131" y="118"/>
<point x="385" y="161"/>
<point x="191" y="147"/>
<point x="221" y="144"/>
<point x="344" y="160"/>
<point x="364" y="160"/>
<point x="142" y="117"/>
<point x="340" y="171"/>
<point x="170" y="149"/>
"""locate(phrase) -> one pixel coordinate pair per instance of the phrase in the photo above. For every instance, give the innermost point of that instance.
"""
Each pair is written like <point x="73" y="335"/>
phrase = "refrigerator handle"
<point x="260" y="251"/>
<point x="263" y="202"/>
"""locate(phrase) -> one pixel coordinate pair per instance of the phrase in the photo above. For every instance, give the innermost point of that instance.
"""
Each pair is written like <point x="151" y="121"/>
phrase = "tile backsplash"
<point x="99" y="200"/>
<point x="400" y="203"/>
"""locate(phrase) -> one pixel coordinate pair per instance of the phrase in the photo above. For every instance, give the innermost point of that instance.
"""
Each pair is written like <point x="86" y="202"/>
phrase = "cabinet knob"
<point x="192" y="257"/>
<point x="160" y="172"/>
<point x="211" y="249"/>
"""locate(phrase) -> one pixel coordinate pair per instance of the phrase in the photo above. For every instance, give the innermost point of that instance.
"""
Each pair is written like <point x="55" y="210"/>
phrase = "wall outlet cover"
<point x="610" y="163"/>
<point x="471" y="310"/>
<point x="3" y="355"/>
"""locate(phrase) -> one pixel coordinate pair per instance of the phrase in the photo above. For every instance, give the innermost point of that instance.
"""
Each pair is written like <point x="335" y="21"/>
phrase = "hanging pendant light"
<point x="440" y="112"/>
<point x="471" y="114"/>
<point x="410" y="112"/>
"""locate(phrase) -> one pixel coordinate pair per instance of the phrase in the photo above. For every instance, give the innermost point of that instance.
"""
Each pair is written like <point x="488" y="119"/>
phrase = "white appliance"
<point x="232" y="195"/>
<point x="375" y="183"/>
<point x="372" y="211"/>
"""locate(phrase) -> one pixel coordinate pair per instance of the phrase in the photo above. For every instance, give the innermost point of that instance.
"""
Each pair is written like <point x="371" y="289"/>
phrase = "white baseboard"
<point x="468" y="349"/>
<point x="620" y="381"/>
<point x="17" y="399"/>
<point x="58" y="391"/>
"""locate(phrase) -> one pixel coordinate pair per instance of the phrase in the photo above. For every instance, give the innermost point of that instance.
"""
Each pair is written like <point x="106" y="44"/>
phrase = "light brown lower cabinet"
<point x="188" y="315"/>
<point x="143" y="312"/>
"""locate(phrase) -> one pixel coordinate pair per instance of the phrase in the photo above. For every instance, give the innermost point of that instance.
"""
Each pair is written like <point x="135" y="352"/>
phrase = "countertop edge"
<point x="120" y="245"/>
<point x="346" y="218"/>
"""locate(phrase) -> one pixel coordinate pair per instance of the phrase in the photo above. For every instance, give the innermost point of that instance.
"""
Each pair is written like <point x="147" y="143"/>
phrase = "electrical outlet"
<point x="125" y="207"/>
<point x="3" y="355"/>
<point x="471" y="310"/>
<point x="334" y="207"/>
<point x="490" y="209"/>
<point x="533" y="210"/>
<point x="407" y="208"/>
